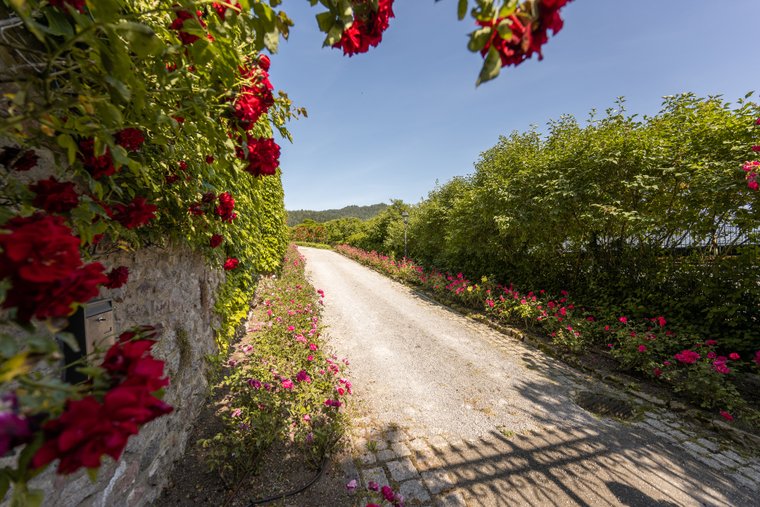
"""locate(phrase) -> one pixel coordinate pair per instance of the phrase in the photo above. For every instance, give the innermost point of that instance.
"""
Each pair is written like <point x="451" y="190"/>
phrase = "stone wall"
<point x="173" y="288"/>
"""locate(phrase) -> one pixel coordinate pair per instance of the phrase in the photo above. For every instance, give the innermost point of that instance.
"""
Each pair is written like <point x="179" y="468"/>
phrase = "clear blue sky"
<point x="389" y="123"/>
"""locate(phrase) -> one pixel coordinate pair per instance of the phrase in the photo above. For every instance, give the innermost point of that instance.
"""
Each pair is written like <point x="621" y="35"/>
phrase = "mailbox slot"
<point x="93" y="329"/>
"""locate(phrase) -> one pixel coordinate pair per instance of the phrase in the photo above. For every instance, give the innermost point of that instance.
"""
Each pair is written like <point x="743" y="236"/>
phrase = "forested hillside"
<point x="362" y="212"/>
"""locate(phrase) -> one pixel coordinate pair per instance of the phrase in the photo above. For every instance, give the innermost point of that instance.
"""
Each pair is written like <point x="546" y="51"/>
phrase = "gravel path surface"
<point x="455" y="413"/>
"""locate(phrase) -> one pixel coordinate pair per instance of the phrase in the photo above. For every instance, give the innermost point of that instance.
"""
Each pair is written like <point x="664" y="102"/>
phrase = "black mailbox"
<point x="93" y="329"/>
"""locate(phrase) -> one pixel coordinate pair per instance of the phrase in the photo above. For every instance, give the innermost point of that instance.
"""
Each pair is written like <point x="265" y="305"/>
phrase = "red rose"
<point x="179" y="22"/>
<point x="135" y="214"/>
<point x="221" y="9"/>
<point x="9" y="157"/>
<point x="264" y="62"/>
<point x="215" y="240"/>
<point x="54" y="196"/>
<point x="263" y="156"/>
<point x="98" y="166"/>
<point x="130" y="139"/>
<point x="209" y="159"/>
<point x="366" y="30"/>
<point x="230" y="264"/>
<point x="225" y="207"/>
<point x="117" y="277"/>
<point x="38" y="249"/>
<point x="61" y="4"/>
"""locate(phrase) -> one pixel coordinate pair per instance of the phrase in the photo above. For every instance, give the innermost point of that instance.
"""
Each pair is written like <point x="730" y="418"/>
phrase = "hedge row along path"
<point x="455" y="413"/>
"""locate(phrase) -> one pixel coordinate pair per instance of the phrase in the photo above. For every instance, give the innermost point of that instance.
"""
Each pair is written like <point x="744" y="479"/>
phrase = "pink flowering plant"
<point x="280" y="383"/>
<point x="700" y="370"/>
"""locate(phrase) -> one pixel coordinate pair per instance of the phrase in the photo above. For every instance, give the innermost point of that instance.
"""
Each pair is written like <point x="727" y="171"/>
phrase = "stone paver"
<point x="375" y="474"/>
<point x="402" y="469"/>
<point x="414" y="491"/>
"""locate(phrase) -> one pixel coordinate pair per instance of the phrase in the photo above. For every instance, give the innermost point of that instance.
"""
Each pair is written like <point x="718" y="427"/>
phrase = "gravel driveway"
<point x="455" y="413"/>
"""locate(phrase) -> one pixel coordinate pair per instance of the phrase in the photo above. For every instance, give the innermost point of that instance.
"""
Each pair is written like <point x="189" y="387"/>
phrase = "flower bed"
<point x="693" y="366"/>
<point x="279" y="383"/>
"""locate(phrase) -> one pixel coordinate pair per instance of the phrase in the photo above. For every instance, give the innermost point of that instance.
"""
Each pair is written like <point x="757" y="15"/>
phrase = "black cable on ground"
<point x="297" y="491"/>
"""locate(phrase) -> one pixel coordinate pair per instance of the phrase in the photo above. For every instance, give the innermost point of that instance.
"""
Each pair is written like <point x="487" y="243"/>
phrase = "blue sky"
<point x="389" y="123"/>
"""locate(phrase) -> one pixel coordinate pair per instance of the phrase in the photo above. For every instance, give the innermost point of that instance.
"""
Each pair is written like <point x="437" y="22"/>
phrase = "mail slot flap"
<point x="98" y="307"/>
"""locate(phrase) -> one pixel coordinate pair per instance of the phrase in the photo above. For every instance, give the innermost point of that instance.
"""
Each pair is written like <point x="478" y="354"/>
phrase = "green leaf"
<point x="334" y="35"/>
<point x="141" y="38"/>
<point x="5" y="482"/>
<point x="505" y="29"/>
<point x="491" y="67"/>
<point x="119" y="87"/>
<point x="67" y="142"/>
<point x="325" y="21"/>
<point x="461" y="9"/>
<point x="13" y="367"/>
<point x="58" y="23"/>
<point x="479" y="38"/>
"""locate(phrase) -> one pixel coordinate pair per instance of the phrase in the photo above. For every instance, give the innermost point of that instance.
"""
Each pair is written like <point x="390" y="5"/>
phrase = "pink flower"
<point x="373" y="486"/>
<point x="642" y="348"/>
<point x="302" y="376"/>
<point x="657" y="372"/>
<point x="725" y="415"/>
<point x="661" y="321"/>
<point x="312" y="346"/>
<point x="711" y="343"/>
<point x="757" y="358"/>
<point x="733" y="356"/>
<point x="687" y="356"/>
<point x="351" y="486"/>
<point x="287" y="384"/>
<point x="623" y="319"/>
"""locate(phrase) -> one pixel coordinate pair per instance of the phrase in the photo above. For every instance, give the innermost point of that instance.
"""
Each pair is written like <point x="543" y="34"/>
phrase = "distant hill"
<point x="364" y="212"/>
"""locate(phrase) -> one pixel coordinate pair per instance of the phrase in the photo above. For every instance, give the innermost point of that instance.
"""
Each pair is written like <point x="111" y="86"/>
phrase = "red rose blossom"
<point x="215" y="240"/>
<point x="263" y="156"/>
<point x="209" y="159"/>
<point x="367" y="28"/>
<point x="38" y="249"/>
<point x="54" y="196"/>
<point x="98" y="166"/>
<point x="130" y="139"/>
<point x="221" y="8"/>
<point x="225" y="207"/>
<point x="17" y="160"/>
<point x="264" y="62"/>
<point x="135" y="214"/>
<point x="179" y="22"/>
<point x="230" y="264"/>
<point x="61" y="4"/>
<point x="117" y="277"/>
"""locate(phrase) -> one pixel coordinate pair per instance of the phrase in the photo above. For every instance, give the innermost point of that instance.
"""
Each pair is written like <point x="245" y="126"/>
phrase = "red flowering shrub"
<point x="117" y="277"/>
<point x="97" y="166"/>
<point x="54" y="196"/>
<point x="231" y="263"/>
<point x="90" y="428"/>
<point x="130" y="139"/>
<point x="367" y="29"/>
<point x="134" y="214"/>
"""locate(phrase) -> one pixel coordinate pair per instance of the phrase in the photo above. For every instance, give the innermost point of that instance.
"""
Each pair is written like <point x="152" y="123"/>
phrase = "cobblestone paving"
<point x="455" y="413"/>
